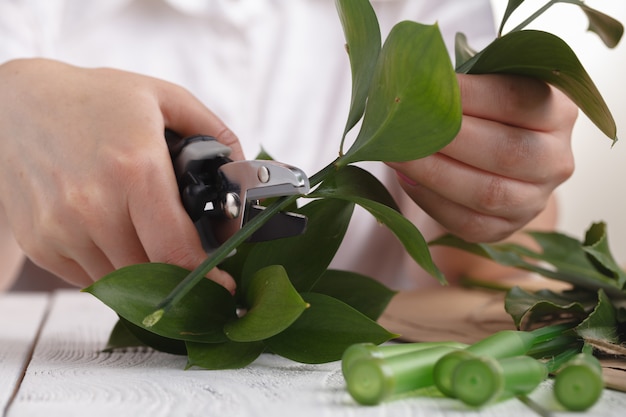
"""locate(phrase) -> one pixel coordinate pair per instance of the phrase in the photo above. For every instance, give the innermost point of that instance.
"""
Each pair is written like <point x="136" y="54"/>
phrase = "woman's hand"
<point x="86" y="180"/>
<point x="498" y="174"/>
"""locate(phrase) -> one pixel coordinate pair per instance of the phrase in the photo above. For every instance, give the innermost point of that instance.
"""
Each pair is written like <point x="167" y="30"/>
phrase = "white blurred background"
<point x="597" y="189"/>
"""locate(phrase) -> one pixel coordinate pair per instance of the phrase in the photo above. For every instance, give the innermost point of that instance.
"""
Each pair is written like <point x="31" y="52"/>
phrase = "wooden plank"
<point x="69" y="375"/>
<point x="21" y="316"/>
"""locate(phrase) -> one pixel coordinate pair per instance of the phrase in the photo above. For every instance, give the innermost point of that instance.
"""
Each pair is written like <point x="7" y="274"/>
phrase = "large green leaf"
<point x="358" y="186"/>
<point x="414" y="106"/>
<point x="134" y="291"/>
<point x="227" y="355"/>
<point x="546" y="57"/>
<point x="325" y="330"/>
<point x="363" y="293"/>
<point x="273" y="304"/>
<point x="304" y="257"/>
<point x="363" y="40"/>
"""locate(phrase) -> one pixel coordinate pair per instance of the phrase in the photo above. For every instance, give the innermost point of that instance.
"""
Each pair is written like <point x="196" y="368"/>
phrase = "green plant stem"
<point x="579" y="382"/>
<point x="503" y="344"/>
<point x="539" y="12"/>
<point x="227" y="247"/>
<point x="481" y="380"/>
<point x="362" y="351"/>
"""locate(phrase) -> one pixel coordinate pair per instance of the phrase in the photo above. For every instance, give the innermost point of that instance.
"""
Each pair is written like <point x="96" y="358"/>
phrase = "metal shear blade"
<point x="222" y="195"/>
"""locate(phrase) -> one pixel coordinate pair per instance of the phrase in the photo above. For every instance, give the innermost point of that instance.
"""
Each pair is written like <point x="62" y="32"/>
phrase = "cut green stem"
<point x="360" y="351"/>
<point x="480" y="380"/>
<point x="503" y="344"/>
<point x="579" y="383"/>
<point x="371" y="381"/>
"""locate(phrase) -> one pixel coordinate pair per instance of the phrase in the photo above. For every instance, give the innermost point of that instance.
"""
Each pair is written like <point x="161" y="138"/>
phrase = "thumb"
<point x="186" y="115"/>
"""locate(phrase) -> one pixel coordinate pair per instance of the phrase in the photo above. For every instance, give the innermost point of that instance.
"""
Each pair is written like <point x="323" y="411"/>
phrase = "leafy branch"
<point x="288" y="302"/>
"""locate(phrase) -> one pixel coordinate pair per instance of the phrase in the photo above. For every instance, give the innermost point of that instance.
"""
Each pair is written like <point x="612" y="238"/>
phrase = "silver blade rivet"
<point x="231" y="206"/>
<point x="263" y="174"/>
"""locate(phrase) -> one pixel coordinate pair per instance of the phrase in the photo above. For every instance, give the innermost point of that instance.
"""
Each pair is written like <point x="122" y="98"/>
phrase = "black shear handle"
<point x="196" y="160"/>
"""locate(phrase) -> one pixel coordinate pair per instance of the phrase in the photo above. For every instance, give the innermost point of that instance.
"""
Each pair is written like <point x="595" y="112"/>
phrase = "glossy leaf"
<point x="606" y="27"/>
<point x="272" y="303"/>
<point x="363" y="40"/>
<point x="413" y="107"/>
<point x="360" y="292"/>
<point x="304" y="257"/>
<point x="325" y="330"/>
<point x="528" y="308"/>
<point x="134" y="291"/>
<point x="546" y="57"/>
<point x="358" y="186"/>
<point x="227" y="355"/>
<point x="601" y="324"/>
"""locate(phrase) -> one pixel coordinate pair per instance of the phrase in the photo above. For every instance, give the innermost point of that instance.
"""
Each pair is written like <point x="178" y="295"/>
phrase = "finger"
<point x="468" y="224"/>
<point x="166" y="232"/>
<point x="186" y="115"/>
<point x="478" y="190"/>
<point x="522" y="154"/>
<point x="514" y="100"/>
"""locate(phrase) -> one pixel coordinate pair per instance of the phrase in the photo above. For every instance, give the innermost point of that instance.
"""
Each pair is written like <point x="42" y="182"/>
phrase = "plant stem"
<point x="540" y="12"/>
<point x="227" y="247"/>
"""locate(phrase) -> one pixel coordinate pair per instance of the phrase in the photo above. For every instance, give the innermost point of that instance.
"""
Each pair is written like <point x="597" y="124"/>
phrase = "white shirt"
<point x="274" y="70"/>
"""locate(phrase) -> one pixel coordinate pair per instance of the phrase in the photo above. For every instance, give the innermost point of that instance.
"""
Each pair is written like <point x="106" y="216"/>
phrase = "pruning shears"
<point x="221" y="195"/>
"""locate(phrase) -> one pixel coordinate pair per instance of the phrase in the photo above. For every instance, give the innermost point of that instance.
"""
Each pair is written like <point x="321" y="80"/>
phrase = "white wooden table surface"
<point x="51" y="364"/>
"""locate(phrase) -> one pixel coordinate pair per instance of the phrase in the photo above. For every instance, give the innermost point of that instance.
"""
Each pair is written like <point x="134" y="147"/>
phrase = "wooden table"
<point x="51" y="363"/>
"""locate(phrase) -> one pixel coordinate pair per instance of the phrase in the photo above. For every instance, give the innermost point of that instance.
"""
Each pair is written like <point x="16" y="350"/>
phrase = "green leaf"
<point x="120" y="338"/>
<point x="363" y="40"/>
<point x="304" y="257"/>
<point x="601" y="324"/>
<point x="355" y="184"/>
<point x="358" y="186"/>
<point x="134" y="291"/>
<point x="546" y="57"/>
<point x="607" y="28"/>
<point x="325" y="330"/>
<point x="153" y="340"/>
<point x="462" y="50"/>
<point x="528" y="308"/>
<point x="414" y="106"/>
<point x="510" y="8"/>
<point x="596" y="244"/>
<point x="562" y="259"/>
<point x="360" y="292"/>
<point x="227" y="355"/>
<point x="273" y="304"/>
